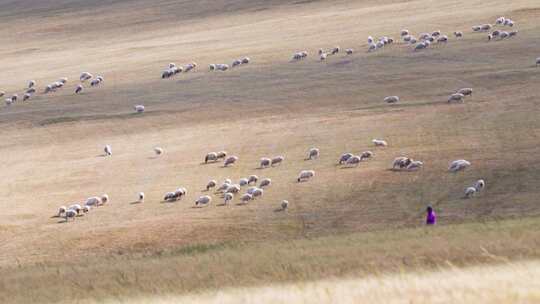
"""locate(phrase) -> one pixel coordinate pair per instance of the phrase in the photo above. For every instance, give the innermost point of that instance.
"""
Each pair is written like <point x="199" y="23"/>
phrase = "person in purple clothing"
<point x="431" y="217"/>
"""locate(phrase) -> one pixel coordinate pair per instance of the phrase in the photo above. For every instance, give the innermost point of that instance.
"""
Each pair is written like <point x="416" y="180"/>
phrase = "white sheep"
<point x="466" y="91"/>
<point x="246" y="60"/>
<point x="479" y="185"/>
<point x="370" y="40"/>
<point x="2" y="93"/>
<point x="537" y="61"/>
<point x="221" y="154"/>
<point x="31" y="83"/>
<point x="372" y="47"/>
<point x="85" y="76"/>
<point x="421" y="46"/>
<point x="62" y="210"/>
<point x="227" y="181"/>
<point x="230" y="160"/>
<point x="70" y="213"/>
<point x="401" y="162"/>
<point x="78" y="89"/>
<point x="75" y="207"/>
<point x="313" y="153"/>
<point x="277" y="160"/>
<point x="180" y="192"/>
<point x="246" y="198"/>
<point x="391" y="99"/>
<point x="344" y="158"/>
<point x="108" y="150"/>
<point x="104" y="198"/>
<point x="477" y="28"/>
<point x="236" y="62"/>
<point x="470" y="192"/>
<point x="63" y="80"/>
<point x="305" y="175"/>
<point x="212" y="67"/>
<point x="415" y="165"/>
<point x="404" y="32"/>
<point x="158" y="150"/>
<point x="203" y="200"/>
<point x="212" y="156"/>
<point x="379" y="143"/>
<point x="223" y="187"/>
<point x="265" y="182"/>
<point x="253" y="179"/>
<point x="323" y="56"/>
<point x="458" y="34"/>
<point x="169" y="196"/>
<point x="86" y="209"/>
<point x="265" y="162"/>
<point x="366" y="155"/>
<point x="211" y="184"/>
<point x="349" y="51"/>
<point x="233" y="189"/>
<point x="436" y="33"/>
<point x="139" y="108"/>
<point x="95" y="82"/>
<point x="26" y="96"/>
<point x="243" y="182"/>
<point x="458" y="165"/>
<point x="456" y="97"/>
<point x="257" y="193"/>
<point x="442" y="39"/>
<point x="504" y="34"/>
<point x="93" y="201"/>
<point x="486" y="27"/>
<point x="9" y="101"/>
<point x="284" y="205"/>
<point x="353" y="160"/>
<point x="407" y="38"/>
<point x="141" y="197"/>
<point x="29" y="91"/>
<point x="228" y="197"/>
<point x="251" y="189"/>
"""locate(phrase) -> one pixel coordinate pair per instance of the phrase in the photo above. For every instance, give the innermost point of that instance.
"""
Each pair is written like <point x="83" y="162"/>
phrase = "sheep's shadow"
<point x="241" y="204"/>
<point x="168" y="202"/>
<point x="221" y="205"/>
<point x="197" y="207"/>
<point x="135" y="203"/>
<point x="280" y="210"/>
<point x="349" y="167"/>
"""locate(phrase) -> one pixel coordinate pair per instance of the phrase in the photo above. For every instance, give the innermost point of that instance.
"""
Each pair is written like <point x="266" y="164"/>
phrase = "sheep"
<point x="246" y="198"/>
<point x="29" y="91"/>
<point x="299" y="55"/>
<point x="243" y="182"/>
<point x="70" y="213"/>
<point x="158" y="150"/>
<point x="2" y="93"/>
<point x="537" y="62"/>
<point x="512" y="33"/>
<point x="490" y="36"/>
<point x="233" y="189"/>
<point x="230" y="160"/>
<point x="168" y="73"/>
<point x="49" y="88"/>
<point x="212" y="156"/>
<point x="379" y="143"/>
<point x="211" y="184"/>
<point x="227" y="181"/>
<point x="139" y="108"/>
<point x="353" y="160"/>
<point x="391" y="99"/>
<point x="470" y="192"/>
<point x="107" y="150"/>
<point x="436" y="33"/>
<point x="169" y="196"/>
<point x="141" y="197"/>
<point x="236" y="62"/>
<point x="228" y="197"/>
<point x="246" y="60"/>
<point x="421" y="46"/>
<point x="305" y="175"/>
<point x="9" y="101"/>
<point x="221" y="154"/>
<point x="500" y="20"/>
<point x="335" y="50"/>
<point x="62" y="210"/>
<point x="75" y="207"/>
<point x="404" y="32"/>
<point x="78" y="89"/>
<point x="479" y="185"/>
<point x="31" y="83"/>
<point x="456" y="97"/>
<point x="504" y="34"/>
<point x="458" y="165"/>
<point x="86" y="209"/>
<point x="344" y="157"/>
<point x="203" y="200"/>
<point x="250" y="190"/>
<point x="180" y="192"/>
<point x="212" y="67"/>
<point x="223" y="187"/>
<point x="313" y="153"/>
<point x="26" y="96"/>
<point x="189" y="67"/>
<point x="94" y="82"/>
<point x="63" y="80"/>
<point x="415" y="165"/>
<point x="14" y="97"/>
<point x="277" y="160"/>
<point x="265" y="162"/>
<point x="401" y="162"/>
<point x="372" y="47"/>
<point x="85" y="76"/>
<point x="349" y="51"/>
<point x="477" y="28"/>
<point x="172" y="65"/>
<point x="442" y="39"/>
<point x="458" y="34"/>
<point x="413" y="40"/>
<point x="265" y="182"/>
<point x="222" y="67"/>
<point x="253" y="179"/>
<point x="379" y="44"/>
<point x="104" y="198"/>
<point x="465" y="91"/>
<point x="370" y="40"/>
<point x="284" y="205"/>
<point x="93" y="201"/>
<point x="323" y="57"/>
<point x="257" y="193"/>
<point x="486" y="27"/>
<point x="509" y="22"/>
<point x="407" y="38"/>
<point x="366" y="155"/>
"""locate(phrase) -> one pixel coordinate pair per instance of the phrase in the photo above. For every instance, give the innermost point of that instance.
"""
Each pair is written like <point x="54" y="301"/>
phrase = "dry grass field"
<point x="345" y="222"/>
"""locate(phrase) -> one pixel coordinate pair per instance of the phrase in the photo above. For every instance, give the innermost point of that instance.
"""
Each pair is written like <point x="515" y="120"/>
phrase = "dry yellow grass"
<point x="50" y="146"/>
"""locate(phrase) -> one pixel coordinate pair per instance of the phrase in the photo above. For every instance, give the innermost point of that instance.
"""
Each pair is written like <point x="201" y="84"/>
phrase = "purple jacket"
<point x="431" y="218"/>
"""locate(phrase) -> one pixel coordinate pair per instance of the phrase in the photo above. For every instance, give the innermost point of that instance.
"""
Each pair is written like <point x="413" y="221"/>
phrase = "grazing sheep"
<point x="228" y="197"/>
<point x="70" y="213"/>
<point x="479" y="185"/>
<point x="407" y="38"/>
<point x="401" y="162"/>
<point x="512" y="33"/>
<point x="251" y="189"/>
<point x="230" y="160"/>
<point x="169" y="196"/>
<point x="94" y="82"/>
<point x="537" y="62"/>
<point x="257" y="193"/>
<point x="380" y="44"/>
<point x="277" y="160"/>
<point x="335" y="50"/>
<point x="413" y="40"/>
<point x="62" y="210"/>
<point x="75" y="207"/>
<point x="86" y="209"/>
<point x="211" y="184"/>
<point x="391" y="99"/>
<point x="466" y="91"/>
<point x="212" y="67"/>
<point x="253" y="179"/>
<point x="246" y="198"/>
<point x="78" y="89"/>
<point x="108" y="150"/>
<point x="180" y="192"/>
<point x="9" y="101"/>
<point x="236" y="62"/>
<point x="353" y="160"/>
<point x="486" y="27"/>
<point x="203" y="200"/>
<point x="141" y="197"/>
<point x="456" y="97"/>
<point x="366" y="155"/>
<point x="470" y="192"/>
<point x="442" y="39"/>
<point x="284" y="205"/>
<point x="223" y="187"/>
<point x="158" y="150"/>
<point x="490" y="36"/>
<point x="370" y="40"/>
<point x="404" y="32"/>
<point x="221" y="154"/>
<point x="415" y="165"/>
<point x="323" y="57"/>
<point x="500" y="20"/>
<point x="189" y="67"/>
<point x="26" y="96"/>
<point x="349" y="51"/>
<point x="344" y="158"/>
<point x="313" y="153"/>
<point x="495" y="33"/>
<point x="458" y="165"/>
<point x="504" y="34"/>
<point x="31" y="83"/>
<point x="85" y="76"/>
<point x="265" y="162"/>
<point x="227" y="181"/>
<point x="458" y="34"/>
<point x="14" y="97"/>
<point x="243" y="182"/>
<point x="246" y="60"/>
<point x="93" y="201"/>
<point x="265" y="182"/>
<point x="29" y="91"/>
<point x="372" y="47"/>
<point x="104" y="198"/>
<point x="379" y="143"/>
<point x="421" y="46"/>
<point x="212" y="156"/>
<point x="63" y="80"/>
<point x="477" y="28"/>
<point x="233" y="189"/>
<point x="2" y="93"/>
<point x="305" y="175"/>
<point x="139" y="108"/>
<point x="222" y="67"/>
